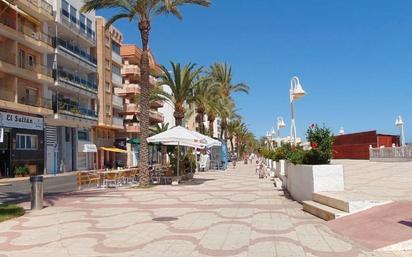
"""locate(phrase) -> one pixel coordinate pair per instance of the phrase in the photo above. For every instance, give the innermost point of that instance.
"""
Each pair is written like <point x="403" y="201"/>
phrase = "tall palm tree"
<point x="221" y="74"/>
<point x="143" y="11"/>
<point x="159" y="129"/>
<point x="182" y="82"/>
<point x="202" y="95"/>
<point x="232" y="128"/>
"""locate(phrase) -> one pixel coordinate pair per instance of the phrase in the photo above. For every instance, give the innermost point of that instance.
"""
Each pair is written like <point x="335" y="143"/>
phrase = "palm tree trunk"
<point x="231" y="144"/>
<point x="223" y="128"/>
<point x="144" y="27"/>
<point x="164" y="153"/>
<point x="211" y="123"/>
<point x="178" y="118"/>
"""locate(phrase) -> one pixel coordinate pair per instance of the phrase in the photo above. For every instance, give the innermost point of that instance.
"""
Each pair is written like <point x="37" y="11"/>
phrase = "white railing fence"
<point x="403" y="153"/>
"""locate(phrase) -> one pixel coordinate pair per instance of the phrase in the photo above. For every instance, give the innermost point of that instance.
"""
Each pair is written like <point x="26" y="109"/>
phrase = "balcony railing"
<point x="46" y="6"/>
<point x="8" y="21"/>
<point x="116" y="57"/>
<point x="391" y="153"/>
<point x="36" y="101"/>
<point x="80" y="26"/>
<point x="117" y="101"/>
<point x="36" y="34"/>
<point x="117" y="79"/>
<point x="76" y="81"/>
<point x="132" y="127"/>
<point x="131" y="69"/>
<point x="156" y="116"/>
<point x="73" y="107"/>
<point x="7" y="56"/>
<point x="128" y="89"/>
<point x="118" y="121"/>
<point x="38" y="68"/>
<point x="77" y="51"/>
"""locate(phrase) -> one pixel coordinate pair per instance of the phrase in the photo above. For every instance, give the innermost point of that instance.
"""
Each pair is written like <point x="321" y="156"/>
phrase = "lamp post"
<point x="296" y="92"/>
<point x="399" y="123"/>
<point x="280" y="124"/>
<point x="341" y="131"/>
<point x="269" y="138"/>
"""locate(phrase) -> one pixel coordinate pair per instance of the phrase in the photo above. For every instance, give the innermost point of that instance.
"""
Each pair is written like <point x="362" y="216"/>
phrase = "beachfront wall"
<point x="356" y="145"/>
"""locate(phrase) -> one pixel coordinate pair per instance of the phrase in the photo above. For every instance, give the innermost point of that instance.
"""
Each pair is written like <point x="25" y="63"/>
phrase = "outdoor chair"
<point x="112" y="178"/>
<point x="155" y="177"/>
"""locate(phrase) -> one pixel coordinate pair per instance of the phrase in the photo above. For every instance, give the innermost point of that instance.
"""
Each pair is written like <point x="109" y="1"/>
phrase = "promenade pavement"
<point x="231" y="213"/>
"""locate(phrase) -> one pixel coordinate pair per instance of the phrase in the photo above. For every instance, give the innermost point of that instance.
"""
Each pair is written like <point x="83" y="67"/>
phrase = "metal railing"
<point x="118" y="121"/>
<point x="80" y="26"/>
<point x="36" y="34"/>
<point x="76" y="50"/>
<point x="75" y="80"/>
<point x="38" y="68"/>
<point x="34" y="100"/>
<point x="387" y="153"/>
<point x="74" y="108"/>
<point x="117" y="101"/>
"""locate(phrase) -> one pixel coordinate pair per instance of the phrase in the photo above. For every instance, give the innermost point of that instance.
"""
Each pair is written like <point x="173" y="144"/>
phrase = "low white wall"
<point x="303" y="180"/>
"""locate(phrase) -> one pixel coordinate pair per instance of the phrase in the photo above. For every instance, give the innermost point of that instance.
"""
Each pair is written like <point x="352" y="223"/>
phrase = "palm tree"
<point x="159" y="129"/>
<point x="143" y="11"/>
<point x="232" y="128"/>
<point x="201" y="99"/>
<point x="221" y="74"/>
<point x="182" y="82"/>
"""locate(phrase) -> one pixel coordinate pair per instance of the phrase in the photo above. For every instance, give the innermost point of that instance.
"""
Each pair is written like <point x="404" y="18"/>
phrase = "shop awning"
<point x="113" y="149"/>
<point x="134" y="141"/>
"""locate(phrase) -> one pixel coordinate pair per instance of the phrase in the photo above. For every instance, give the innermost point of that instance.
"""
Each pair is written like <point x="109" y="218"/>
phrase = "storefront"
<point x="21" y="143"/>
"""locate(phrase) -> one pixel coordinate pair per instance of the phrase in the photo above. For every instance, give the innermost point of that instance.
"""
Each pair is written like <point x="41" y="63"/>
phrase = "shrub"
<point x="297" y="156"/>
<point x="21" y="171"/>
<point x="321" y="141"/>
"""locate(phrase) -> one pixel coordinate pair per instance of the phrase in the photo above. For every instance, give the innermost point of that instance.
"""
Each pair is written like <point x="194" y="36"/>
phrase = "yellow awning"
<point x="113" y="149"/>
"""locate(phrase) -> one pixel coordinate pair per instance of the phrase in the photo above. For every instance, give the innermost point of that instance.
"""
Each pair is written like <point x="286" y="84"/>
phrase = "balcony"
<point x="28" y="104"/>
<point x="40" y="9"/>
<point x="77" y="27"/>
<point x="73" y="108"/>
<point x="118" y="122"/>
<point x="76" y="81"/>
<point x="117" y="80"/>
<point x="117" y="102"/>
<point x="156" y="104"/>
<point x="117" y="58"/>
<point x="156" y="117"/>
<point x="77" y="52"/>
<point x="131" y="109"/>
<point x="128" y="89"/>
<point x="131" y="70"/>
<point x="132" y="127"/>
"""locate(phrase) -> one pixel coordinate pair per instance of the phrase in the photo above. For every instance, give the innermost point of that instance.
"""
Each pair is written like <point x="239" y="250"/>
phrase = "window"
<point x="67" y="132"/>
<point x="82" y="23"/>
<point x="65" y="8"/>
<point x="116" y="48"/>
<point x="26" y="142"/>
<point x="73" y="14"/>
<point x="89" y="27"/>
<point x="31" y="60"/>
<point x="107" y="86"/>
<point x="83" y="135"/>
<point x="116" y="70"/>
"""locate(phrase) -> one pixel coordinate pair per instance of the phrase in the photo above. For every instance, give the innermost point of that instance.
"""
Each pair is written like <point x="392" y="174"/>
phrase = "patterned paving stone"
<point x="231" y="213"/>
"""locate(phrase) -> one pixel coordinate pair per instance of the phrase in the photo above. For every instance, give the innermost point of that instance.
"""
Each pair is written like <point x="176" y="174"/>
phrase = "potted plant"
<point x="311" y="170"/>
<point x="21" y="171"/>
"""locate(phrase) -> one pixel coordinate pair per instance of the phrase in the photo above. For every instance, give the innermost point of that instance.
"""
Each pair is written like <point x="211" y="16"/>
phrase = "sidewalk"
<point x="230" y="213"/>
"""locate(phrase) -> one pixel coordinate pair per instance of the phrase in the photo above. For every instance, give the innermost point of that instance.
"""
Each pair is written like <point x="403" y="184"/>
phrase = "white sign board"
<point x="89" y="148"/>
<point x="13" y="120"/>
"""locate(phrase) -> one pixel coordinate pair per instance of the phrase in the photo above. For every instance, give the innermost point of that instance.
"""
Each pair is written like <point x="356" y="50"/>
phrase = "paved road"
<point x="20" y="190"/>
<point x="229" y="213"/>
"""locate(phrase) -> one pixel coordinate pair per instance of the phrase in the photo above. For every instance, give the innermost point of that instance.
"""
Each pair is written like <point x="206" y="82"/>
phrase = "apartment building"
<point x="24" y="79"/>
<point x="68" y="131"/>
<point x="110" y="105"/>
<point x="131" y="92"/>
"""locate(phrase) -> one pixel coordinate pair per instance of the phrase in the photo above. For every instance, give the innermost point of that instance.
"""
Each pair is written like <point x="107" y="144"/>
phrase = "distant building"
<point x="356" y="145"/>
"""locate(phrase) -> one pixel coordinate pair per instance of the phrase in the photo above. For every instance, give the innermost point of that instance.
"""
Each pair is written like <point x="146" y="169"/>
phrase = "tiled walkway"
<point x="230" y="213"/>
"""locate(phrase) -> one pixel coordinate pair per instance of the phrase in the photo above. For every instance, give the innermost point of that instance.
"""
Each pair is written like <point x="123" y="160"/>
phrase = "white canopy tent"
<point x="210" y="142"/>
<point x="178" y="136"/>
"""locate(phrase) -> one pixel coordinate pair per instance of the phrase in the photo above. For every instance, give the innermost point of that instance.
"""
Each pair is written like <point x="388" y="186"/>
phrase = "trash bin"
<point x="36" y="192"/>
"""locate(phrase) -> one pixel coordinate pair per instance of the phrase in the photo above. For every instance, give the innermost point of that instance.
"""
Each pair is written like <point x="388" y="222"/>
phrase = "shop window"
<point x="83" y="135"/>
<point x="26" y="142"/>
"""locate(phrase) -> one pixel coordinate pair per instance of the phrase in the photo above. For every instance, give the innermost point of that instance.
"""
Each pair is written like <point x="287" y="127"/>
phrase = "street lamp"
<point x="399" y="123"/>
<point x="341" y="131"/>
<point x="296" y="92"/>
<point x="280" y="124"/>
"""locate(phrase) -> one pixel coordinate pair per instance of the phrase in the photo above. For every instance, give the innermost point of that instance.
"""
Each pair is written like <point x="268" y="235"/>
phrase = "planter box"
<point x="280" y="169"/>
<point x="304" y="180"/>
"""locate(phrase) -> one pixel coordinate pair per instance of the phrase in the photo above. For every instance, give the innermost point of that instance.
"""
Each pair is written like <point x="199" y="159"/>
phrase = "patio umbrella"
<point x="210" y="142"/>
<point x="178" y="136"/>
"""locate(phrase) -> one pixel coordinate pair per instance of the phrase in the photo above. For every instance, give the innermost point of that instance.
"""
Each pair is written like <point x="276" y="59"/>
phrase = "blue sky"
<point x="353" y="58"/>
